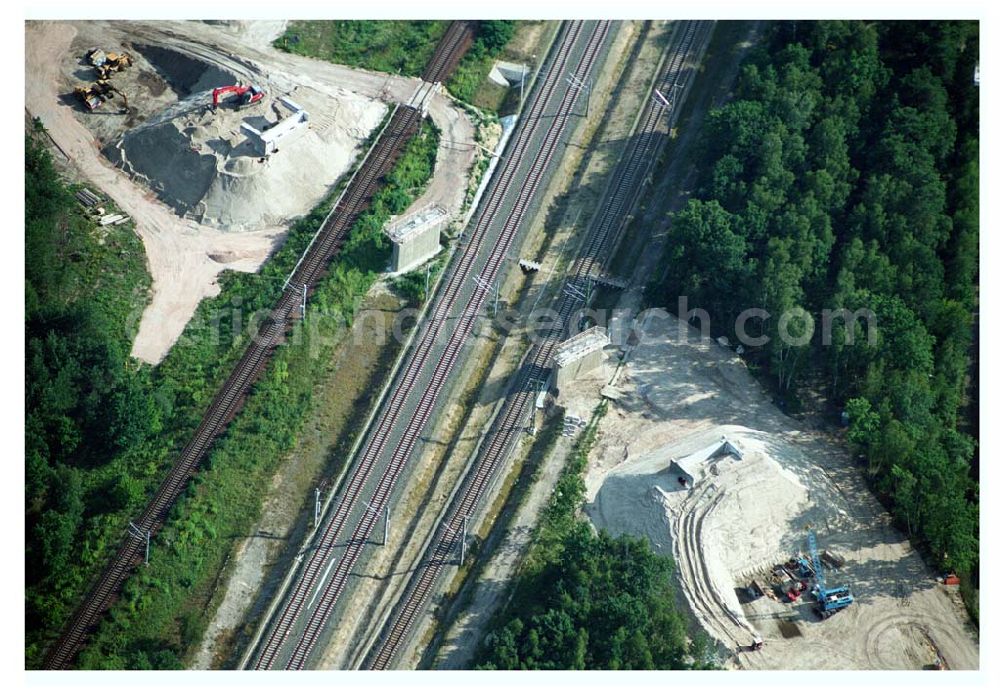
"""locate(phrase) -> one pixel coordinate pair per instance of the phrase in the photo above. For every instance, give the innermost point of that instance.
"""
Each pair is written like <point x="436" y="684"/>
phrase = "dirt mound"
<point x="185" y="74"/>
<point x="205" y="165"/>
<point x="163" y="156"/>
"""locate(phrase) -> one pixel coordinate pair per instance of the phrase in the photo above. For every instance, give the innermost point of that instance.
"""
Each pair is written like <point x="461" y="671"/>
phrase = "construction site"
<point x="216" y="148"/>
<point x="215" y="143"/>
<point x="784" y="557"/>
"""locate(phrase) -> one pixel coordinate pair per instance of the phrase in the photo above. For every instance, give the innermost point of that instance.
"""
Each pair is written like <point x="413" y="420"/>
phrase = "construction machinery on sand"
<point x="102" y="90"/>
<point x="245" y="94"/>
<point x="789" y="580"/>
<point x="108" y="63"/>
<point x="95" y="95"/>
<point x="829" y="600"/>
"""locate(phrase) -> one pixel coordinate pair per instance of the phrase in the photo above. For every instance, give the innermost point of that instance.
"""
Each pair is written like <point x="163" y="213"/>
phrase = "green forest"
<point x="585" y="600"/>
<point x="843" y="174"/>
<point x="86" y="403"/>
<point x="102" y="431"/>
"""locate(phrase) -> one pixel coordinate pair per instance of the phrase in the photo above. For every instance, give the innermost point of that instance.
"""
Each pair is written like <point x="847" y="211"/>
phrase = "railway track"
<point x="614" y="207"/>
<point x="311" y="268"/>
<point x="456" y="40"/>
<point x="333" y="584"/>
<point x="228" y="401"/>
<point x="642" y="151"/>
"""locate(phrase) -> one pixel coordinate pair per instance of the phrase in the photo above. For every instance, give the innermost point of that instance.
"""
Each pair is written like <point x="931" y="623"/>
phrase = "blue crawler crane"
<point x="829" y="601"/>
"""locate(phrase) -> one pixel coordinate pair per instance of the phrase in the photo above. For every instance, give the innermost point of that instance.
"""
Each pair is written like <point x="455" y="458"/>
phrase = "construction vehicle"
<point x="788" y="584"/>
<point x="804" y="566"/>
<point x="949" y="579"/>
<point x="108" y="63"/>
<point x="110" y="90"/>
<point x="246" y="94"/>
<point x="794" y="592"/>
<point x="92" y="98"/>
<point x="829" y="600"/>
<point x="95" y="95"/>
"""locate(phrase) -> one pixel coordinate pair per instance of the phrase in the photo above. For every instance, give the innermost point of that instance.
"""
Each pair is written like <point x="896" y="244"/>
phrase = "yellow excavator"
<point x="95" y="95"/>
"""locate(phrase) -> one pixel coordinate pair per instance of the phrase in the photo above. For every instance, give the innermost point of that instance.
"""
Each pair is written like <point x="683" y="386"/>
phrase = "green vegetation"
<point x="162" y="611"/>
<point x="85" y="403"/>
<point x="164" y="608"/>
<point x="404" y="47"/>
<point x="412" y="286"/>
<point x="844" y="174"/>
<point x="398" y="47"/>
<point x="469" y="82"/>
<point x="588" y="601"/>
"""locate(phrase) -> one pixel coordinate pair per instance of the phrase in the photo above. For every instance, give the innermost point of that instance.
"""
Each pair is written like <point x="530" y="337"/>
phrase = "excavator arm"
<point x="223" y="90"/>
<point x="124" y="98"/>
<point x="247" y="94"/>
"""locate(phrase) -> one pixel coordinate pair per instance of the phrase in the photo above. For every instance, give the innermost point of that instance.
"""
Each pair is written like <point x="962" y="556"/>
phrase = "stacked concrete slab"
<point x="580" y="354"/>
<point x="416" y="237"/>
<point x="266" y="142"/>
<point x="692" y="466"/>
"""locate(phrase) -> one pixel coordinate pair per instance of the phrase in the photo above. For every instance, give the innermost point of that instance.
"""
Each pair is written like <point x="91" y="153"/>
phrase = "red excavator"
<point x="246" y="95"/>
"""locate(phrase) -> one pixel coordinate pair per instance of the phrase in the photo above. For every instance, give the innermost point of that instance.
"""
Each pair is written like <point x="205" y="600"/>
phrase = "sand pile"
<point x="676" y="398"/>
<point x="754" y="523"/>
<point x="203" y="164"/>
<point x="738" y="515"/>
<point x="185" y="74"/>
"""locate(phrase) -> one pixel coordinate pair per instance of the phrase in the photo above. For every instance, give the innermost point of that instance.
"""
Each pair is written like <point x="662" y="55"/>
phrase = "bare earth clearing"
<point x="680" y="394"/>
<point x="177" y="64"/>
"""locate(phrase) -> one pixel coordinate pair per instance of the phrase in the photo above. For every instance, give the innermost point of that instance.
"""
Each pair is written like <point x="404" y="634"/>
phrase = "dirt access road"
<point x="185" y="258"/>
<point x="179" y="252"/>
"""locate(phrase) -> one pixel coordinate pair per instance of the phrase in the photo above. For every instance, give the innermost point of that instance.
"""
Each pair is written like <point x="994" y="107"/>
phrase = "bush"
<point x="85" y="408"/>
<point x="475" y="66"/>
<point x="495" y="34"/>
<point x="397" y="47"/>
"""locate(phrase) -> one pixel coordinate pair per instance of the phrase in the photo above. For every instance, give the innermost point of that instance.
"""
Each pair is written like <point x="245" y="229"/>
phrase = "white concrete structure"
<point x="267" y="141"/>
<point x="509" y="73"/>
<point x="416" y="237"/>
<point x="692" y="466"/>
<point x="580" y="354"/>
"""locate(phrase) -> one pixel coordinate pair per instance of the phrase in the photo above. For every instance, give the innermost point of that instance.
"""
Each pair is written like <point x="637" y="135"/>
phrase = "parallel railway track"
<point x="227" y="402"/>
<point x="627" y="179"/>
<point x="311" y="268"/>
<point x="640" y="154"/>
<point x="318" y="567"/>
